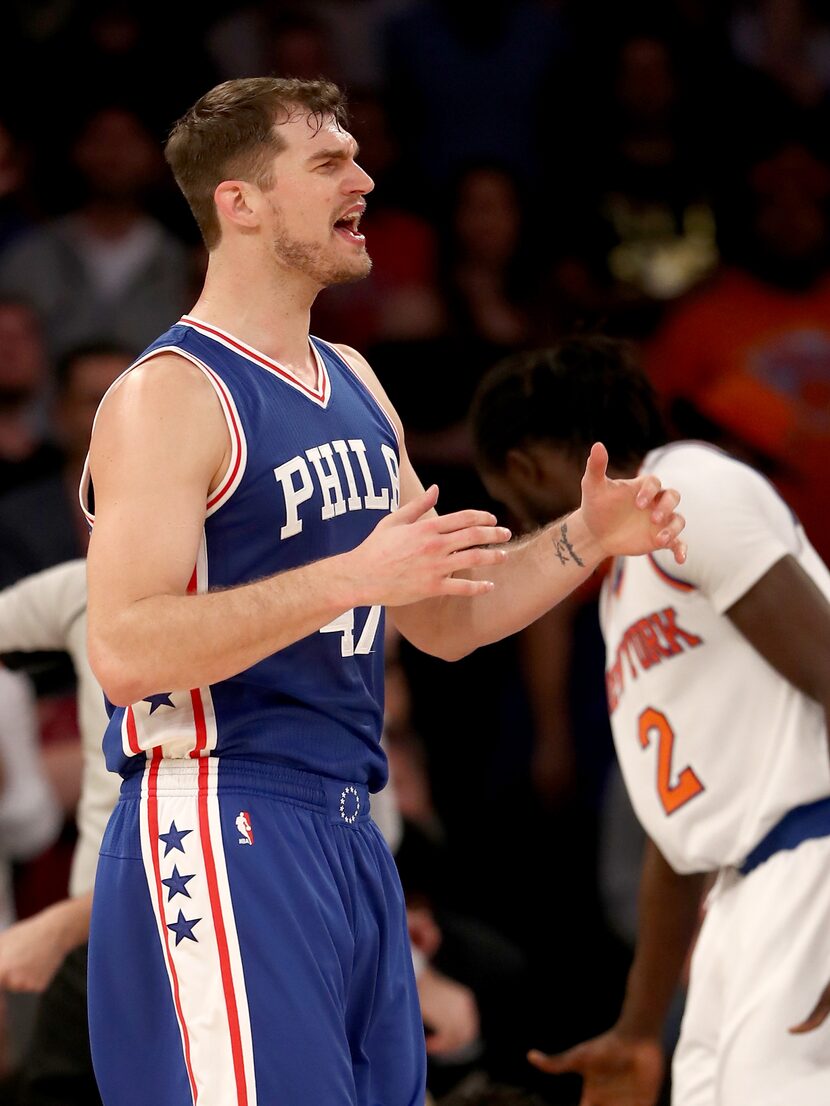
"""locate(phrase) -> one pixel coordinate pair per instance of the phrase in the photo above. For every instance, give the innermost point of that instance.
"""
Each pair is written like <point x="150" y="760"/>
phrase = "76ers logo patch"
<point x="243" y="824"/>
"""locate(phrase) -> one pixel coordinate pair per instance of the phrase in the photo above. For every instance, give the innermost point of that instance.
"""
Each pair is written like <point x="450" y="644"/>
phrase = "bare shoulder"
<point x="158" y="407"/>
<point x="369" y="377"/>
<point x="163" y="380"/>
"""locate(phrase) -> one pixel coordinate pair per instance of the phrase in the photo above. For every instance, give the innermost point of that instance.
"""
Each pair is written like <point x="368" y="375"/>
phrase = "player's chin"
<point x="355" y="269"/>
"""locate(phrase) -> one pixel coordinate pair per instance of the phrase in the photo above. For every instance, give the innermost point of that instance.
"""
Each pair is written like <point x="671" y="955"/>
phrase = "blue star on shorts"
<point x="183" y="928"/>
<point x="161" y="700"/>
<point x="173" y="838"/>
<point x="177" y="884"/>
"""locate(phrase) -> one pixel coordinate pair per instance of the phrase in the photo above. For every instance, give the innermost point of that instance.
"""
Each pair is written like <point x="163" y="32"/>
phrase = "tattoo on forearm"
<point x="563" y="548"/>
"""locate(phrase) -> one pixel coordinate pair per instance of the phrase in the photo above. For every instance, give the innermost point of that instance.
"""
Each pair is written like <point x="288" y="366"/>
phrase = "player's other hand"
<point x="616" y="1070"/>
<point x="413" y="553"/>
<point x="630" y="516"/>
<point x="817" y="1016"/>
<point x="449" y="1011"/>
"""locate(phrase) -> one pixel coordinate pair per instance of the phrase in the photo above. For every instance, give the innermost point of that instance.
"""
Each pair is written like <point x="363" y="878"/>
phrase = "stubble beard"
<point x="317" y="263"/>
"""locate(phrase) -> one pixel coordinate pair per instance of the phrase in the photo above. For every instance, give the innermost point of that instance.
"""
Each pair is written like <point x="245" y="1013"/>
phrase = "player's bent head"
<point x="232" y="132"/>
<point x="585" y="389"/>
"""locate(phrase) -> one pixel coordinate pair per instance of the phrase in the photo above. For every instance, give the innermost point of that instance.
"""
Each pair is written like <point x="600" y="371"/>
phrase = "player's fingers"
<point x="596" y="466"/>
<point x="458" y="585"/>
<point x="679" y="549"/>
<point x="671" y="530"/>
<point x="477" y="535"/>
<point x="479" y="557"/>
<point x="664" y="505"/>
<point x="817" y="1015"/>
<point x="416" y="508"/>
<point x="558" y="1063"/>
<point x="649" y="490"/>
<point x="463" y="520"/>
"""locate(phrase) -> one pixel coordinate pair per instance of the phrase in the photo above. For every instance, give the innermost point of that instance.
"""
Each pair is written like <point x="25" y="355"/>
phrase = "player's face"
<point x="537" y="486"/>
<point x="316" y="202"/>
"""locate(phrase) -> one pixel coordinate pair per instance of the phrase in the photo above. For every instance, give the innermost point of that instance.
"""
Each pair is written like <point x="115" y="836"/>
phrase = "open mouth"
<point x="347" y="226"/>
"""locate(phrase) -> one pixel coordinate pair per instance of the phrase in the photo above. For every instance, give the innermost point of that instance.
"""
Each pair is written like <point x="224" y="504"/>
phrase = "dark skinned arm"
<point x="785" y="600"/>
<point x="620" y="1067"/>
<point x="624" y="1067"/>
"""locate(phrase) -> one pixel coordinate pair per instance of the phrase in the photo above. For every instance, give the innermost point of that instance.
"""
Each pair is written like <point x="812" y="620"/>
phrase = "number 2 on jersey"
<point x="344" y="624"/>
<point x="672" y="795"/>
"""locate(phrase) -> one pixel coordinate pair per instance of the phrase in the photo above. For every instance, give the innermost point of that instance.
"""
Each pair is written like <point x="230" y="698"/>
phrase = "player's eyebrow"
<point x="336" y="153"/>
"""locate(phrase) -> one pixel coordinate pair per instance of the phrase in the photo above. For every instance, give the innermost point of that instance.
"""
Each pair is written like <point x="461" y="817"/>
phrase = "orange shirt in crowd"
<point x="755" y="359"/>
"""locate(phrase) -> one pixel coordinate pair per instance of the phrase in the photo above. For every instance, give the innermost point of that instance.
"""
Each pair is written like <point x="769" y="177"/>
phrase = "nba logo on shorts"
<point x="243" y="824"/>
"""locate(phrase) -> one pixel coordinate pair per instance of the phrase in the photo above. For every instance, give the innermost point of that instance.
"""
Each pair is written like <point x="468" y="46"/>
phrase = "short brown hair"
<point x="231" y="133"/>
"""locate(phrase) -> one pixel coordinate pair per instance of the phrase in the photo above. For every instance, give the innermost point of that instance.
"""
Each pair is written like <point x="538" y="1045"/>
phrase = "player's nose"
<point x="360" y="181"/>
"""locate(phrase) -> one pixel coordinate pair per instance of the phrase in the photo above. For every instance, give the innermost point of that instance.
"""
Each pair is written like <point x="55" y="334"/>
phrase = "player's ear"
<point x="235" y="203"/>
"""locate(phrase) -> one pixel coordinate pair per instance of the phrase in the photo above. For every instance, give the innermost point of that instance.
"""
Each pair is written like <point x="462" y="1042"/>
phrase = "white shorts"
<point x="761" y="961"/>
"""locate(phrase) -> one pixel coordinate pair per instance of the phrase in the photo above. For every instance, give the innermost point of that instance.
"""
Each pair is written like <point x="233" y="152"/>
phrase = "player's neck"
<point x="269" y="312"/>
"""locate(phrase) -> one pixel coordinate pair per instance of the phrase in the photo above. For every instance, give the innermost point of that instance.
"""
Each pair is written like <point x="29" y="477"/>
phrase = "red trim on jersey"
<point x="672" y="581"/>
<point x="132" y="732"/>
<point x="320" y="394"/>
<point x="221" y="937"/>
<point x="195" y="693"/>
<point x="217" y="495"/>
<point x="153" y="830"/>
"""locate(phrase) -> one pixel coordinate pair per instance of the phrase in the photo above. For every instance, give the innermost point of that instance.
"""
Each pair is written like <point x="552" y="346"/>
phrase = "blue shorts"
<point x="249" y="945"/>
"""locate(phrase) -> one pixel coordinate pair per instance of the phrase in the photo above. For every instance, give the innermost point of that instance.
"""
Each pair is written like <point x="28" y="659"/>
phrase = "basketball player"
<point x="718" y="678"/>
<point x="255" y="512"/>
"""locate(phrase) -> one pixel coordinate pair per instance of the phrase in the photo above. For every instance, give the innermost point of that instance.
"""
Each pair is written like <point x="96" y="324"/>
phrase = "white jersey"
<point x="715" y="746"/>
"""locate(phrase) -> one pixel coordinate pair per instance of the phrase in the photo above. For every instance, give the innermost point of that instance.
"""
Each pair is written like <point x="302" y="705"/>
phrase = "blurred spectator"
<point x="633" y="218"/>
<point x="40" y="521"/>
<point x="489" y="272"/>
<point x="30" y="820"/>
<point x="469" y="975"/>
<point x="47" y="952"/>
<point x="399" y="299"/>
<point x="746" y="361"/>
<point x="789" y="42"/>
<point x="242" y="44"/>
<point x="112" y="51"/>
<point x="30" y="817"/>
<point x="16" y="207"/>
<point x="107" y="267"/>
<point x="24" y="380"/>
<point x="488" y="283"/>
<point x="285" y="39"/>
<point x="470" y="85"/>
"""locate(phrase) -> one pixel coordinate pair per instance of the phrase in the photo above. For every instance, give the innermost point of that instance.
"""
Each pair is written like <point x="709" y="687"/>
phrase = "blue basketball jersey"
<point x="312" y="472"/>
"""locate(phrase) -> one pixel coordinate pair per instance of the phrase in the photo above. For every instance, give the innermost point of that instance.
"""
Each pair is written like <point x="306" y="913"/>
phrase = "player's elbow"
<point x="117" y="679"/>
<point x="443" y="646"/>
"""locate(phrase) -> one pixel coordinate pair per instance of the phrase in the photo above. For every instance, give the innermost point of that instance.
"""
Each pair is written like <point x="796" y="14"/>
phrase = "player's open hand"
<point x="616" y="1070"/>
<point x="413" y="553"/>
<point x="630" y="516"/>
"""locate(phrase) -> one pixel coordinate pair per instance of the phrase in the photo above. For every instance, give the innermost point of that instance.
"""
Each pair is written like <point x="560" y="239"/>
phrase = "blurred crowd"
<point x="658" y="171"/>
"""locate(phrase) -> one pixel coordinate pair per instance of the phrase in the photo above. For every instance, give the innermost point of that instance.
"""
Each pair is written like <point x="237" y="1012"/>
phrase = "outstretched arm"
<point x="159" y="448"/>
<point x="624" y="1067"/>
<point x="615" y="517"/>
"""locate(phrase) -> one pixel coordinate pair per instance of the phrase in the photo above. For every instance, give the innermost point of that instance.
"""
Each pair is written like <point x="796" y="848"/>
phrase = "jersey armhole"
<point x="235" y="470"/>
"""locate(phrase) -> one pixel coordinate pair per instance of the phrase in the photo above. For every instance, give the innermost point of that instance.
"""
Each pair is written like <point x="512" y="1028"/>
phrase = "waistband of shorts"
<point x="345" y="801"/>
<point x="802" y="823"/>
